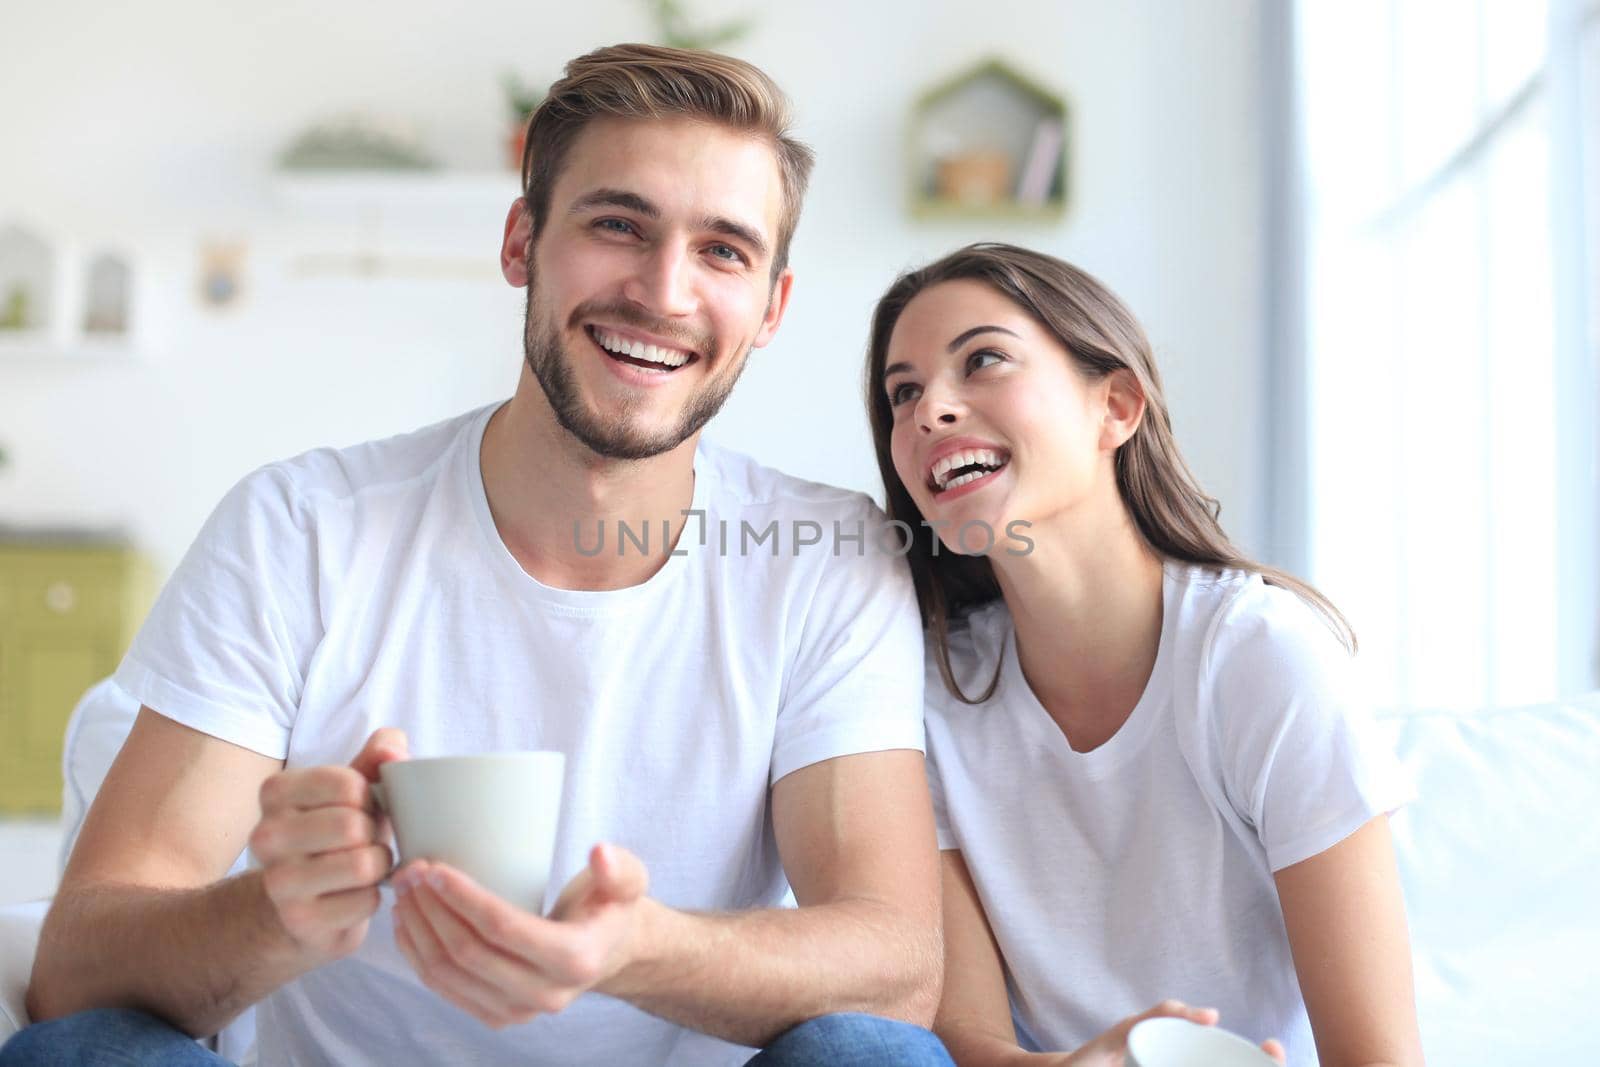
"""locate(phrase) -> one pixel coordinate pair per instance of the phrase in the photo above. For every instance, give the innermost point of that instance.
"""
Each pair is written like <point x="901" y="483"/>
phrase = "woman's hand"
<point x="1110" y="1049"/>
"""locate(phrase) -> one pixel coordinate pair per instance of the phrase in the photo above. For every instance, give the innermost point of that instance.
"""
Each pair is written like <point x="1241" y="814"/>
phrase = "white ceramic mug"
<point x="1181" y="1043"/>
<point x="493" y="817"/>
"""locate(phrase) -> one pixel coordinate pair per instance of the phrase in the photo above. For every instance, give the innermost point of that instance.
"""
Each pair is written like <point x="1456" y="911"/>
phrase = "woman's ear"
<point x="1124" y="409"/>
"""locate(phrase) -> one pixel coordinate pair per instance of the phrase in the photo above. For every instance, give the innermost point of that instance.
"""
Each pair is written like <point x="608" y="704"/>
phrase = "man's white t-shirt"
<point x="1143" y="869"/>
<point x="345" y="590"/>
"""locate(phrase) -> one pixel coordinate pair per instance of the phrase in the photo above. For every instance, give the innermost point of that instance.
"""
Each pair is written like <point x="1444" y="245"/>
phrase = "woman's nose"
<point x="937" y="408"/>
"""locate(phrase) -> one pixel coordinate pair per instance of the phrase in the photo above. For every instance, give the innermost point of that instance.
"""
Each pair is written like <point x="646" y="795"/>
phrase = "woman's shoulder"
<point x="1238" y="610"/>
<point x="1246" y="635"/>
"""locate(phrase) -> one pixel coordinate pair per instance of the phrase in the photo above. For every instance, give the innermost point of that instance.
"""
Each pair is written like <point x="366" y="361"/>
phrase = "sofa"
<point x="1499" y="858"/>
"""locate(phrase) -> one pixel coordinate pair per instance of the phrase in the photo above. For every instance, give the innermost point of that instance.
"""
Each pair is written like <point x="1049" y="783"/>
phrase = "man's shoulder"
<point x="742" y="483"/>
<point x="341" y="473"/>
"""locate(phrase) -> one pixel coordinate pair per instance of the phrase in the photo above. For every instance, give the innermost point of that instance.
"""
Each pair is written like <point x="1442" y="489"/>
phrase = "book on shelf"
<point x="1038" y="173"/>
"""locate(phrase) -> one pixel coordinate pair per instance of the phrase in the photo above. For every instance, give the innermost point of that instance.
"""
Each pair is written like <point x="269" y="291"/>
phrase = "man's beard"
<point x="613" y="437"/>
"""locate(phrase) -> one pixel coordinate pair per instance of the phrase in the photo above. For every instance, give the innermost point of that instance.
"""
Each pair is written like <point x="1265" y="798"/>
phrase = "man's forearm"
<point x="748" y="977"/>
<point x="194" y="957"/>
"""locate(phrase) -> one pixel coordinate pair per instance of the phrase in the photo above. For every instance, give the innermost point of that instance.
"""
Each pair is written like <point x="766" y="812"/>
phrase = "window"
<point x="1450" y="339"/>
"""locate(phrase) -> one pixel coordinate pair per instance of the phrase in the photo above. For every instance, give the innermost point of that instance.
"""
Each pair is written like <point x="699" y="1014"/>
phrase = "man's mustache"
<point x="624" y="314"/>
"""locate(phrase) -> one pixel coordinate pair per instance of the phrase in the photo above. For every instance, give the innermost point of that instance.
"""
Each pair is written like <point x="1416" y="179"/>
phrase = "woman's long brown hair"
<point x="1176" y="519"/>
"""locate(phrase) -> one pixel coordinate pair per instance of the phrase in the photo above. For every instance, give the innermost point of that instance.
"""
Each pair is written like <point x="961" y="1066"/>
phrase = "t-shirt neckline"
<point x="575" y="601"/>
<point x="1131" y="736"/>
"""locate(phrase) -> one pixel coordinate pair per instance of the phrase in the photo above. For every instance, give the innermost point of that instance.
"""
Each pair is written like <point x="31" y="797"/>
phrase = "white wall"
<point x="155" y="125"/>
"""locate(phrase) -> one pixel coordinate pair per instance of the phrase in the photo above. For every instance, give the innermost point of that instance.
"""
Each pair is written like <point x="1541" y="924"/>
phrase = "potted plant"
<point x="521" y="100"/>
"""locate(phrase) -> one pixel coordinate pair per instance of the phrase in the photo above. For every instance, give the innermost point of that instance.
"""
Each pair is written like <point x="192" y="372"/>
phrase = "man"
<point x="732" y="714"/>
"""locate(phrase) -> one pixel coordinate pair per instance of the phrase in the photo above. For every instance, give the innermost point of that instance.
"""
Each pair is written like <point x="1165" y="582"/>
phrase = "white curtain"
<point x="1449" y="341"/>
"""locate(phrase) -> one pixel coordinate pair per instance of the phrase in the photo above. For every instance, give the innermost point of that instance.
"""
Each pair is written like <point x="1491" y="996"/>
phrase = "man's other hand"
<point x="506" y="966"/>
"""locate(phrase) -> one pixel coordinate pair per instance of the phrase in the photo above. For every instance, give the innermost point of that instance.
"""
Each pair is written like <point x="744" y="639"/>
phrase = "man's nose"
<point x="664" y="283"/>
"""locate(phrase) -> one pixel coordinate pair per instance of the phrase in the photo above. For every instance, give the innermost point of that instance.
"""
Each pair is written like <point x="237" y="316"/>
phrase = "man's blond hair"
<point x="638" y="81"/>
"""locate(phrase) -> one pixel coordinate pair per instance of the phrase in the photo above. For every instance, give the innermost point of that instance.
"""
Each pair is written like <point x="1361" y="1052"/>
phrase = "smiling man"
<point x="736" y="723"/>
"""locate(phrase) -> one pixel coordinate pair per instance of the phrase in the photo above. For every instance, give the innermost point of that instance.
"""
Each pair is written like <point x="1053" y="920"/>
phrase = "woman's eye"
<point x="986" y="358"/>
<point x="901" y="394"/>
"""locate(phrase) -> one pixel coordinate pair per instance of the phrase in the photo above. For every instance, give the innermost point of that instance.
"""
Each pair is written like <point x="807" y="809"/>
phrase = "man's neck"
<point x="560" y="509"/>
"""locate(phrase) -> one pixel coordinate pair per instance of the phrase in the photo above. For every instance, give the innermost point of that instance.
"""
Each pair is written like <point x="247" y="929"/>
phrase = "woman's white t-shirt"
<point x="1143" y="869"/>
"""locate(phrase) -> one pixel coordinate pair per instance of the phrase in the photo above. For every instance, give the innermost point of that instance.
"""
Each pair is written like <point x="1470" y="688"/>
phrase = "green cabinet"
<point x="67" y="612"/>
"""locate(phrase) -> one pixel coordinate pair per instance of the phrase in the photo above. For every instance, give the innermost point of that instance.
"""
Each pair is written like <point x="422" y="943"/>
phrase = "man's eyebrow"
<point x="737" y="230"/>
<point x="966" y="335"/>
<point x="614" y="198"/>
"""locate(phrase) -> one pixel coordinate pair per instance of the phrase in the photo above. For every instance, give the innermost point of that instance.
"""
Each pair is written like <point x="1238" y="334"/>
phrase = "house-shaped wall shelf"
<point x="989" y="142"/>
<point x="63" y="298"/>
<point x="27" y="281"/>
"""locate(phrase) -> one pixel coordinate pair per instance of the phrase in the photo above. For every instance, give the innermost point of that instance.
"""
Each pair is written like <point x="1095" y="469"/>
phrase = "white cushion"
<point x="1500" y="860"/>
<point x="95" y="733"/>
<point x="19" y="937"/>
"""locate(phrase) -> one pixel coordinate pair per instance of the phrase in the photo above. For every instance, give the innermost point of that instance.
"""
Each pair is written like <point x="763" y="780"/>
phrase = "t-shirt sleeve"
<point x="1302" y="759"/>
<point x="225" y="649"/>
<point x="941" y="811"/>
<point x="855" y="682"/>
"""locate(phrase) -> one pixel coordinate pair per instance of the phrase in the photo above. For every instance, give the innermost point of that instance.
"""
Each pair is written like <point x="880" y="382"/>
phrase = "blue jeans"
<point x="851" y="1040"/>
<point x="113" y="1037"/>
<point x="118" y="1037"/>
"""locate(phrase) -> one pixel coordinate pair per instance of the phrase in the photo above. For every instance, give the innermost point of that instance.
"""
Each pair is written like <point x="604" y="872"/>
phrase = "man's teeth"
<point x="987" y="458"/>
<point x="667" y="357"/>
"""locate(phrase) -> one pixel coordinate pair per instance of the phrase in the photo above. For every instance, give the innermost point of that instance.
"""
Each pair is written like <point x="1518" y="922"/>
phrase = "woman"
<point x="1149" y="776"/>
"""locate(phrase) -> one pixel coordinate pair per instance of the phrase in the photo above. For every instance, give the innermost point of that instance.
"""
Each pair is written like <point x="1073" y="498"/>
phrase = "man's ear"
<point x="514" y="245"/>
<point x="1124" y="409"/>
<point x="777" y="304"/>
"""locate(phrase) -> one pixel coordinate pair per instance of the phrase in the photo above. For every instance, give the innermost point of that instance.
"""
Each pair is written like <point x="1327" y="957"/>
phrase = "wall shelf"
<point x="989" y="143"/>
<point x="395" y="225"/>
<point x="435" y="195"/>
<point x="47" y="351"/>
<point x="65" y="299"/>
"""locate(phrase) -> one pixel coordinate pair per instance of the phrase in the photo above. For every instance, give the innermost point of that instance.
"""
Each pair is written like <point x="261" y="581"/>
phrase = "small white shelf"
<point x="35" y="347"/>
<point x="398" y="225"/>
<point x="425" y="196"/>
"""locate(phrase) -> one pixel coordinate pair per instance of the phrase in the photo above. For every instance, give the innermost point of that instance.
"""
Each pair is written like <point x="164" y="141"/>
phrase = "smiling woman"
<point x="1089" y="341"/>
<point x="1166" y="741"/>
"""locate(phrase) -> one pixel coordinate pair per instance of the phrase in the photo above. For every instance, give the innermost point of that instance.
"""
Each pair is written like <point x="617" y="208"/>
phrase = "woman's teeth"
<point x="968" y="465"/>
